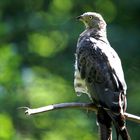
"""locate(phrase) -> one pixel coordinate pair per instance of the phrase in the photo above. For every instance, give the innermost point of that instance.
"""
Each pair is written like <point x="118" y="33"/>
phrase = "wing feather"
<point x="79" y="83"/>
<point x="114" y="62"/>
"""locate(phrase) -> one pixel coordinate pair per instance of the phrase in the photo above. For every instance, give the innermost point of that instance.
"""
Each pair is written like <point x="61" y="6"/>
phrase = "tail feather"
<point x="105" y="125"/>
<point x="105" y="132"/>
<point x="123" y="133"/>
<point x="105" y="119"/>
<point x="119" y="123"/>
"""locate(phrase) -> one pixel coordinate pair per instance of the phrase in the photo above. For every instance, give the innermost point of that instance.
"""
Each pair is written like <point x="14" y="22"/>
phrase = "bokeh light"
<point x="37" y="45"/>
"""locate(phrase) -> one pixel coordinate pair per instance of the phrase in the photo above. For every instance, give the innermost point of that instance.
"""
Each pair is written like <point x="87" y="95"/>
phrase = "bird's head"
<point x="92" y="20"/>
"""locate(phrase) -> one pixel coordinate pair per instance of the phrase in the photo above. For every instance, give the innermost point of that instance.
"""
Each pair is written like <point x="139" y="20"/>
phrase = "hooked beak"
<point x="79" y="17"/>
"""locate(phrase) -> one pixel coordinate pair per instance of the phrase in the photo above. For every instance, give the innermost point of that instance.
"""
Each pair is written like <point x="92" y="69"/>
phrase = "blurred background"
<point x="37" y="45"/>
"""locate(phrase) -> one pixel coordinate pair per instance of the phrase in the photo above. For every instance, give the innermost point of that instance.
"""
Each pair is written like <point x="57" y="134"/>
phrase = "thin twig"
<point x="88" y="106"/>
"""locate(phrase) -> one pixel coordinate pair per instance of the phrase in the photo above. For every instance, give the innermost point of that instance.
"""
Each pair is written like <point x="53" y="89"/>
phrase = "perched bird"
<point x="99" y="73"/>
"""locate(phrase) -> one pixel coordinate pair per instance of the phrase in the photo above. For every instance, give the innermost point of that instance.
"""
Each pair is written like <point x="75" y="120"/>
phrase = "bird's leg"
<point x="105" y="127"/>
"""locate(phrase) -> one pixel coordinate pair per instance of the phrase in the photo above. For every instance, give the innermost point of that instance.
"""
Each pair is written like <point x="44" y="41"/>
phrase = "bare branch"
<point x="88" y="106"/>
<point x="132" y="117"/>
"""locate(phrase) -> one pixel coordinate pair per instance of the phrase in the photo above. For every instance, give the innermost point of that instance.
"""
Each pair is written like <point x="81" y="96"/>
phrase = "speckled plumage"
<point x="99" y="73"/>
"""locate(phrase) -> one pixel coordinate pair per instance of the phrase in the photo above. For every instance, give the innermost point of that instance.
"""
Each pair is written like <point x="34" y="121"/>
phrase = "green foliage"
<point x="6" y="127"/>
<point x="37" y="46"/>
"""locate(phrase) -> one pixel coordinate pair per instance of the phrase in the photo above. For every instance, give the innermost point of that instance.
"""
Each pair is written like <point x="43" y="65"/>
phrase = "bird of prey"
<point x="99" y="74"/>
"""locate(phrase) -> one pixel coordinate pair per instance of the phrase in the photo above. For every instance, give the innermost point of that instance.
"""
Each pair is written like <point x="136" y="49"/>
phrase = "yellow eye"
<point x="90" y="17"/>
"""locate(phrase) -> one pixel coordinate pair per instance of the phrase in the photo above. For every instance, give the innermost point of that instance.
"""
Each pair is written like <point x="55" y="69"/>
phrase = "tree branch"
<point x="88" y="106"/>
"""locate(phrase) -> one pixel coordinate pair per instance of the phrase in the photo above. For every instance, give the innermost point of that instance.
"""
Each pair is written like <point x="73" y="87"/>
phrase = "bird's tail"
<point x="119" y="123"/>
<point x="104" y="122"/>
<point x="105" y="119"/>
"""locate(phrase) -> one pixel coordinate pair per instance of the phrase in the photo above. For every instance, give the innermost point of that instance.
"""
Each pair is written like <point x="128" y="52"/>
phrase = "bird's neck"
<point x="99" y="34"/>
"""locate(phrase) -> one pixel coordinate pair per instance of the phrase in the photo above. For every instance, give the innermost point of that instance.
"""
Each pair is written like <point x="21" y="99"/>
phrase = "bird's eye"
<point x="90" y="17"/>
